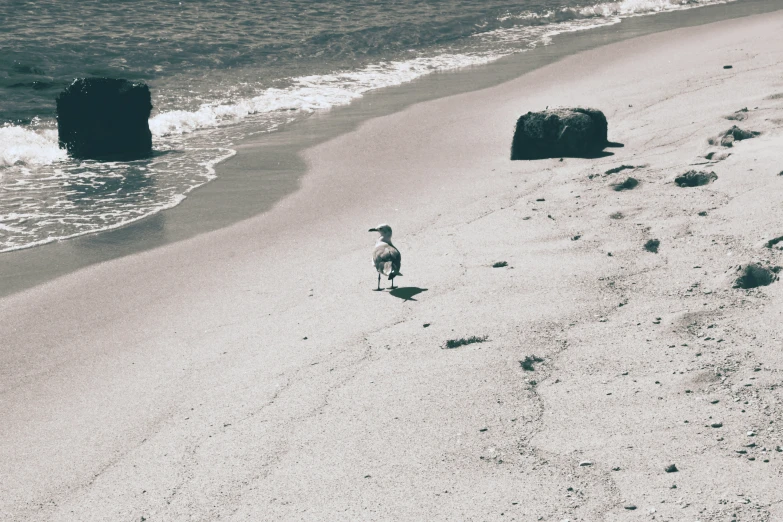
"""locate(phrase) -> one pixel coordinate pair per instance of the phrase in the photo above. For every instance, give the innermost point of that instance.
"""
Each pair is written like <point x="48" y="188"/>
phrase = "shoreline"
<point x="253" y="373"/>
<point x="249" y="186"/>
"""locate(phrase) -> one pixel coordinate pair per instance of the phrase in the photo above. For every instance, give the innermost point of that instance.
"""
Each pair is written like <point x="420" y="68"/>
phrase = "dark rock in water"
<point x="695" y="178"/>
<point x="559" y="132"/>
<point x="753" y="275"/>
<point x="105" y="118"/>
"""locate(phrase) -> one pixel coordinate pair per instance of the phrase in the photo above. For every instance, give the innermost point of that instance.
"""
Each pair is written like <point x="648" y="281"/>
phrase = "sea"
<point x="222" y="71"/>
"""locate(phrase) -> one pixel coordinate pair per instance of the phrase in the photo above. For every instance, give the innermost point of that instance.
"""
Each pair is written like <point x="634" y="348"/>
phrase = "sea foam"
<point x="314" y="92"/>
<point x="28" y="146"/>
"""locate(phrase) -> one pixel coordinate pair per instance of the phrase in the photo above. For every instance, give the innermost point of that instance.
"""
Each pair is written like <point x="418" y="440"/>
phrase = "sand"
<point x="252" y="373"/>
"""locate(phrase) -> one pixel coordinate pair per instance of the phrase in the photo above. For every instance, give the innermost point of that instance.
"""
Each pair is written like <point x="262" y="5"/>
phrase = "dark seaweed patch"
<point x="463" y="341"/>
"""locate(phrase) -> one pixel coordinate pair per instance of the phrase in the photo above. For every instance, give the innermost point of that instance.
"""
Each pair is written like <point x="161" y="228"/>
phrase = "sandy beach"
<point x="251" y="373"/>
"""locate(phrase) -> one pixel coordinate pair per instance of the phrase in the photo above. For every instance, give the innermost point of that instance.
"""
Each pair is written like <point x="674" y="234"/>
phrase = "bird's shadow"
<point x="406" y="293"/>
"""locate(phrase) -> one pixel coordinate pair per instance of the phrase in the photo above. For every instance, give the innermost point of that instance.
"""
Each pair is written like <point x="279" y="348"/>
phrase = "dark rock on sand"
<point x="556" y="133"/>
<point x="671" y="468"/>
<point x="105" y="118"/>
<point x="753" y="275"/>
<point x="695" y="178"/>
<point x="652" y="246"/>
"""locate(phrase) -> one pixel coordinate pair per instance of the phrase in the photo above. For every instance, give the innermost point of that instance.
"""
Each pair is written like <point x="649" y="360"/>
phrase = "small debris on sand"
<point x="695" y="178"/>
<point x="628" y="184"/>
<point x="500" y="264"/>
<point x="671" y="468"/>
<point x="717" y="156"/>
<point x="456" y="343"/>
<point x="616" y="215"/>
<point x="585" y="463"/>
<point x="727" y="66"/>
<point x="772" y="242"/>
<point x="753" y="275"/>
<point x="527" y="362"/>
<point x="619" y="169"/>
<point x="727" y="139"/>
<point x="630" y="507"/>
<point x="740" y="115"/>
<point x="652" y="246"/>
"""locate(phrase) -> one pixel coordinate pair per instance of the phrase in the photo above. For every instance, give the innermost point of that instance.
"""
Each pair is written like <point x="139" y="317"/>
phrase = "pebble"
<point x="716" y="425"/>
<point x="585" y="463"/>
<point x="671" y="468"/>
<point x="630" y="507"/>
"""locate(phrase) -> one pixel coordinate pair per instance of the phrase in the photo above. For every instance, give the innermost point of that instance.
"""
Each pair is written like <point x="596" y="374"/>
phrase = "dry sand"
<point x="253" y="374"/>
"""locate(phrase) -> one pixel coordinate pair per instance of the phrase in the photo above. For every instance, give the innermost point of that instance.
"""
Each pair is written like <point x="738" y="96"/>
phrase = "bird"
<point x="385" y="257"/>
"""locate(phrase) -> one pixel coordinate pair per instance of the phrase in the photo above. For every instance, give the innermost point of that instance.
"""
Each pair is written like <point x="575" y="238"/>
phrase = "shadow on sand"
<point x="406" y="293"/>
<point x="603" y="153"/>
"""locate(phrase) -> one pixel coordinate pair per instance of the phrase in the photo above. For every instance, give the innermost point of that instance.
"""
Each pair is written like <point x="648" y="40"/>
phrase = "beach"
<point x="251" y="373"/>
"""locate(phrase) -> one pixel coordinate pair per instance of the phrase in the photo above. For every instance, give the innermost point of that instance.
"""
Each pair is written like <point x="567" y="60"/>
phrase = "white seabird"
<point x="385" y="257"/>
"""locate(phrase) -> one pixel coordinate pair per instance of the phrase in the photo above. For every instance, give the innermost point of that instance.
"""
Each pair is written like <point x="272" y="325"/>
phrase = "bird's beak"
<point x="373" y="230"/>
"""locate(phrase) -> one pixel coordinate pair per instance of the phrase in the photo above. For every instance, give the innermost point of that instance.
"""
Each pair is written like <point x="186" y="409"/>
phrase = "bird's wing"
<point x="387" y="259"/>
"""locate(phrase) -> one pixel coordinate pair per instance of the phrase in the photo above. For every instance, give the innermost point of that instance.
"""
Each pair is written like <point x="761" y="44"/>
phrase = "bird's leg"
<point x="379" y="281"/>
<point x="392" y="286"/>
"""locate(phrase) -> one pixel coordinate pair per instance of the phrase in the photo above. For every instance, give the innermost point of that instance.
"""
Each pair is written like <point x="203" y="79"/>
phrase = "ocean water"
<point x="223" y="70"/>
